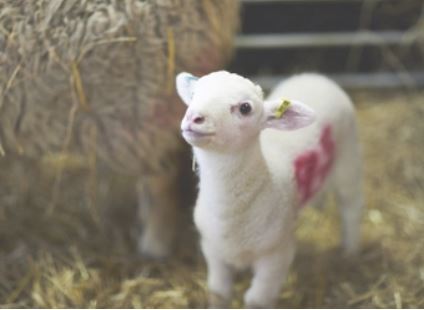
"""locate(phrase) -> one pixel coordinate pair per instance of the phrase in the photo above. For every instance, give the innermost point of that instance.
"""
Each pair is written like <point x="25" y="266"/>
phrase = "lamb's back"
<point x="333" y="109"/>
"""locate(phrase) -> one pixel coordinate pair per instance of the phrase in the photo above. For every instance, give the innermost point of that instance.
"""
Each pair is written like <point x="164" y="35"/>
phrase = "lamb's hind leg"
<point x="158" y="213"/>
<point x="349" y="196"/>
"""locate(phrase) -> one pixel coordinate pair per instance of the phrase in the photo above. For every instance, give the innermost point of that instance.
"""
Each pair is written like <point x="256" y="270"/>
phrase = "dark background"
<point x="265" y="17"/>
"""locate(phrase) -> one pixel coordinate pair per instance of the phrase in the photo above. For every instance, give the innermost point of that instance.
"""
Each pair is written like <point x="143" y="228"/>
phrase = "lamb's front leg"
<point x="269" y="274"/>
<point x="220" y="278"/>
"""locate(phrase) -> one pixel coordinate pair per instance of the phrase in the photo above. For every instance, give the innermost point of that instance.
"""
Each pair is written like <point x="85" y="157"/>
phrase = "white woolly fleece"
<point x="256" y="170"/>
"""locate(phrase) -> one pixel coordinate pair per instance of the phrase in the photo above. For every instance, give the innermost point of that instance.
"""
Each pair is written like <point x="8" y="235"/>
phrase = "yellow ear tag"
<point x="282" y="108"/>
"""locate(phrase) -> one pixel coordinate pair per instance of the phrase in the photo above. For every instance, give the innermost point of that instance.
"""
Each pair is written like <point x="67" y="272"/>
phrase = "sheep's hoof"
<point x="215" y="301"/>
<point x="151" y="247"/>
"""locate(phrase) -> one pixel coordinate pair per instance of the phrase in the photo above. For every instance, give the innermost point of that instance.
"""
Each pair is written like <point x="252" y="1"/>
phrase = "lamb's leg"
<point x="348" y="182"/>
<point x="220" y="279"/>
<point x="158" y="204"/>
<point x="351" y="203"/>
<point x="269" y="274"/>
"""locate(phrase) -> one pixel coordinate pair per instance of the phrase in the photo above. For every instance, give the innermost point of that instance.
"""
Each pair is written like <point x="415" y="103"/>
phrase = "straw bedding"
<point x="77" y="257"/>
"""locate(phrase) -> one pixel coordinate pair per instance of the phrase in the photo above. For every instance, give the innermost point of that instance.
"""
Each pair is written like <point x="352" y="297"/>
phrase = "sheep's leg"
<point x="220" y="279"/>
<point x="269" y="274"/>
<point x="158" y="202"/>
<point x="348" y="182"/>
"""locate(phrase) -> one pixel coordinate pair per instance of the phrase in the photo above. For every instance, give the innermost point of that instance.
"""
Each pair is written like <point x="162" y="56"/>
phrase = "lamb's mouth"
<point x="193" y="134"/>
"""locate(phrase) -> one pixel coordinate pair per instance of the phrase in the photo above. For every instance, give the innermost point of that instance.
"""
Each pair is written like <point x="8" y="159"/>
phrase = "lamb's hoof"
<point x="215" y="301"/>
<point x="257" y="302"/>
<point x="351" y="251"/>
<point x="256" y="306"/>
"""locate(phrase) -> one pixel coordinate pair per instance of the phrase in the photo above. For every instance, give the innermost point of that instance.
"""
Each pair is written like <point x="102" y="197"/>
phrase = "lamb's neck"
<point x="227" y="170"/>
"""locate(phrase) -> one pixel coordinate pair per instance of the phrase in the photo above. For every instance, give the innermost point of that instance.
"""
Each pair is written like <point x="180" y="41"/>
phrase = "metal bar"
<point x="294" y="40"/>
<point x="355" y="80"/>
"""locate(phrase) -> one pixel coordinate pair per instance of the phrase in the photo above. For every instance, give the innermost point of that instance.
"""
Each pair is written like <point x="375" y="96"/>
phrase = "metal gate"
<point x="360" y="43"/>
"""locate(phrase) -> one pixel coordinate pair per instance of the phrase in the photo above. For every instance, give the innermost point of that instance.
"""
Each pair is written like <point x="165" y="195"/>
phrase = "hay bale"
<point x="84" y="76"/>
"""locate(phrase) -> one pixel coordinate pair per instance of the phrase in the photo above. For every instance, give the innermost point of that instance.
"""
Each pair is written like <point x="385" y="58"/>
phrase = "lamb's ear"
<point x="287" y="114"/>
<point x="185" y="84"/>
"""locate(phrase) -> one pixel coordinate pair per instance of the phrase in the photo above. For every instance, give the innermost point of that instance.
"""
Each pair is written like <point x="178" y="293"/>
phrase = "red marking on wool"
<point x="312" y="166"/>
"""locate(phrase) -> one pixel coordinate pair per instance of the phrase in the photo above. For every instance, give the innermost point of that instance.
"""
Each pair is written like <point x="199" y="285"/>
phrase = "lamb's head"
<point x="226" y="112"/>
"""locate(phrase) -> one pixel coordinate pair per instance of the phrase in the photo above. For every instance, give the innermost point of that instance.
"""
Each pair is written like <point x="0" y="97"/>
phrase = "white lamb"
<point x="259" y="163"/>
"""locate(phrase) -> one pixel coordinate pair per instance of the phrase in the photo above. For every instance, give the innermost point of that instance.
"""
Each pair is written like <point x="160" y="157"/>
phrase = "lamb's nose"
<point x="198" y="119"/>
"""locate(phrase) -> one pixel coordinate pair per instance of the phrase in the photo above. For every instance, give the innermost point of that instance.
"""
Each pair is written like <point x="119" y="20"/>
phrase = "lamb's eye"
<point x="245" y="108"/>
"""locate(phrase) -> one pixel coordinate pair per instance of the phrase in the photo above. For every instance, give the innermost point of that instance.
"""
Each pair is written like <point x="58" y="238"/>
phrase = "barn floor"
<point x="77" y="255"/>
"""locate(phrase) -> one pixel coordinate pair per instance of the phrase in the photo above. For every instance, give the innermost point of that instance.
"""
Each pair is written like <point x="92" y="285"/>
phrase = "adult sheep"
<point x="82" y="77"/>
